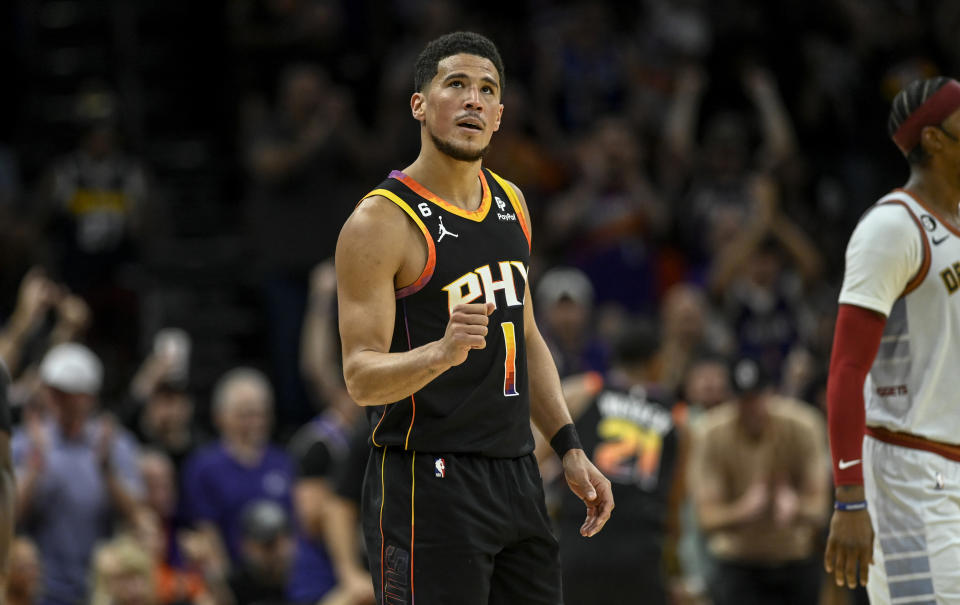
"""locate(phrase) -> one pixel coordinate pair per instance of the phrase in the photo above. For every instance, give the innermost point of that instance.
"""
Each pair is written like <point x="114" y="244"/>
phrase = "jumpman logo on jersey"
<point x="443" y="230"/>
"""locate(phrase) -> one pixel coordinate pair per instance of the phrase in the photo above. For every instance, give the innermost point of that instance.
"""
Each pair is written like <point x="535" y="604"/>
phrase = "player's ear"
<point x="496" y="125"/>
<point x="417" y="108"/>
<point x="930" y="138"/>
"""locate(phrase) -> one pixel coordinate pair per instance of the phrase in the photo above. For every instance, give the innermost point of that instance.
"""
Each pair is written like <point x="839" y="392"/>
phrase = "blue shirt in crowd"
<point x="70" y="510"/>
<point x="216" y="488"/>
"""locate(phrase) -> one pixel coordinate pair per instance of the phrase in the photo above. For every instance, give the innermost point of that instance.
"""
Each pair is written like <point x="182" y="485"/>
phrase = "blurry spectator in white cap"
<point x="565" y="305"/>
<point x="72" y="368"/>
<point x="77" y="472"/>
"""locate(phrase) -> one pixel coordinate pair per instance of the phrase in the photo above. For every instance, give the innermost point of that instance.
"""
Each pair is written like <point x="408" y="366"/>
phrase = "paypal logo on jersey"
<point x="479" y="282"/>
<point x="503" y="215"/>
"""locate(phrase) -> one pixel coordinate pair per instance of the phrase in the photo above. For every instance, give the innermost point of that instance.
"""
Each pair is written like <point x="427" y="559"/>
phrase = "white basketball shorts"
<point x="914" y="503"/>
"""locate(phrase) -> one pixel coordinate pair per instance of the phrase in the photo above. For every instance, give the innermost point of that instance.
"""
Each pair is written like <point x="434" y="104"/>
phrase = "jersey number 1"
<point x="510" y="360"/>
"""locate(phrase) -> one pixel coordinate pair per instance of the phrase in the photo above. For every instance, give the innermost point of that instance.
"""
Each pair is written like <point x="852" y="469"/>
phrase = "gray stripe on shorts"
<point x="903" y="567"/>
<point x="911" y="588"/>
<point x="904" y="543"/>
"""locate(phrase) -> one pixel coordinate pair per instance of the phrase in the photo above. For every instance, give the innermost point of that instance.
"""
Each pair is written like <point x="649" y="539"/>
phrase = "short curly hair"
<point x="453" y="44"/>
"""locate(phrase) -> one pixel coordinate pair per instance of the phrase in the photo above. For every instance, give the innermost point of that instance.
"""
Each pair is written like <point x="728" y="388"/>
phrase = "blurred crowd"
<point x="692" y="167"/>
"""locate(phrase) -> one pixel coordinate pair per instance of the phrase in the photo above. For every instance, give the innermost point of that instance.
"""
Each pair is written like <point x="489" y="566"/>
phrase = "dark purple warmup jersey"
<point x="483" y="405"/>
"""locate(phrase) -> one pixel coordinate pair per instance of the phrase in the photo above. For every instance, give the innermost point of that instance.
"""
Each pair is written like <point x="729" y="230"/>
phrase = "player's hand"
<point x="592" y="487"/>
<point x="466" y="330"/>
<point x="849" y="547"/>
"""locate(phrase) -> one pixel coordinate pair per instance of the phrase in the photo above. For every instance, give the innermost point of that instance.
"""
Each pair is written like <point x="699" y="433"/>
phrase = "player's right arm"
<point x="884" y="254"/>
<point x="378" y="250"/>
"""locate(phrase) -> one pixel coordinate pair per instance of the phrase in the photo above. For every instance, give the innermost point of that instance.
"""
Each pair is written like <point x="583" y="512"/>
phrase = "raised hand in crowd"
<point x="37" y="295"/>
<point x="205" y="553"/>
<point x="73" y="318"/>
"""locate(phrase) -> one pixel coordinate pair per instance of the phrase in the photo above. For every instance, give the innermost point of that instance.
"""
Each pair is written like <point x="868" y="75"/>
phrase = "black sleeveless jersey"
<point x="481" y="406"/>
<point x="631" y="436"/>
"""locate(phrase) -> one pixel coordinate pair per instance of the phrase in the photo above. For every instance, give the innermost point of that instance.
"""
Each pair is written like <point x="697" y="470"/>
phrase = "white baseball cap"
<point x="72" y="368"/>
<point x="564" y="282"/>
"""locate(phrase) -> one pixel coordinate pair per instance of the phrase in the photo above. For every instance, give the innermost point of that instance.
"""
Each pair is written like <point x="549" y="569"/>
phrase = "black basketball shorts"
<point x="458" y="529"/>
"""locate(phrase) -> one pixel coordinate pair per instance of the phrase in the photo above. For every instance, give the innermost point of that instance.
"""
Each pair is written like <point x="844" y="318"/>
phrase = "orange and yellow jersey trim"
<point x="431" y="263"/>
<point x="517" y="206"/>
<point x="474" y="215"/>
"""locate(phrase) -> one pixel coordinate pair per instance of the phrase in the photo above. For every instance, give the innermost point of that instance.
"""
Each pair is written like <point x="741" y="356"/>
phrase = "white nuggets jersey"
<point x="903" y="261"/>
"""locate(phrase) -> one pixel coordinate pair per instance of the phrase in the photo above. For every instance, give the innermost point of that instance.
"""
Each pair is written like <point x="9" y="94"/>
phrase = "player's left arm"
<point x="549" y="413"/>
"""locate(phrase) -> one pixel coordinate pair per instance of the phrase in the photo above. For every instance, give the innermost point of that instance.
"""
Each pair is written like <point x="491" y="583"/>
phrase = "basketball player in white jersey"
<point x="893" y="394"/>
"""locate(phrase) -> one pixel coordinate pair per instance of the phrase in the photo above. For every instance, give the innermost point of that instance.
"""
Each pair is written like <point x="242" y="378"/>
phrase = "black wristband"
<point x="565" y="439"/>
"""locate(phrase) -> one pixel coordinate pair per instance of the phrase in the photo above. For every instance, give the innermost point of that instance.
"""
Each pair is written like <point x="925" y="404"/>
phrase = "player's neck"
<point x="937" y="192"/>
<point x="454" y="181"/>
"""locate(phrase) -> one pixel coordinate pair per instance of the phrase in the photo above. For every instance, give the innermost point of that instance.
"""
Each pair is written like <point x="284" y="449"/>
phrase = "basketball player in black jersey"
<point x="634" y="432"/>
<point x="440" y="345"/>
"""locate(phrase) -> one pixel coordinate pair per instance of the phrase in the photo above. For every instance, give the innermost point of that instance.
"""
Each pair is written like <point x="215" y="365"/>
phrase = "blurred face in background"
<point x="568" y="321"/>
<point x="622" y="150"/>
<point x="269" y="560"/>
<point x="71" y="410"/>
<point x="753" y="414"/>
<point x="124" y="576"/>
<point x="302" y="94"/>
<point x="167" y="415"/>
<point x="684" y="315"/>
<point x="725" y="148"/>
<point x="159" y="483"/>
<point x="245" y="413"/>
<point x="765" y="268"/>
<point x="707" y="383"/>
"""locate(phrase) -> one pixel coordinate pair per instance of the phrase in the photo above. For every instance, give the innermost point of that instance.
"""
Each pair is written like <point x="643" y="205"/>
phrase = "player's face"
<point x="461" y="108"/>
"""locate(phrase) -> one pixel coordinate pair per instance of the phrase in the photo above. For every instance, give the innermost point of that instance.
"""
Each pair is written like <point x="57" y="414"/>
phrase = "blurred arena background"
<point x="173" y="176"/>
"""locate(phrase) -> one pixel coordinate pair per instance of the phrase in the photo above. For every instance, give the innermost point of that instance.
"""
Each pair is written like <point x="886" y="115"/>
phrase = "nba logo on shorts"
<point x="439" y="468"/>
